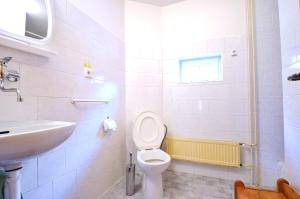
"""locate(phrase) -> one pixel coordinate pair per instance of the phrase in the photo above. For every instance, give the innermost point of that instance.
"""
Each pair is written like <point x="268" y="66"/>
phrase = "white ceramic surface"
<point x="148" y="131"/>
<point x="153" y="163"/>
<point x="26" y="139"/>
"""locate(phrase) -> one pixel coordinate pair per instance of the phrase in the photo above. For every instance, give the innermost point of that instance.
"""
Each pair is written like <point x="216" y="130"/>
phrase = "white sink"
<point x="26" y="139"/>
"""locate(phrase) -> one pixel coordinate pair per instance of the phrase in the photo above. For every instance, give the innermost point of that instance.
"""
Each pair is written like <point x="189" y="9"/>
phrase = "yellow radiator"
<point x="225" y="153"/>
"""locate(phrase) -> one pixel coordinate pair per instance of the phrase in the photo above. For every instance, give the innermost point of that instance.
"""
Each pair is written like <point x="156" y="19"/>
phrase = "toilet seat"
<point x="153" y="157"/>
<point x="148" y="134"/>
<point x="148" y="131"/>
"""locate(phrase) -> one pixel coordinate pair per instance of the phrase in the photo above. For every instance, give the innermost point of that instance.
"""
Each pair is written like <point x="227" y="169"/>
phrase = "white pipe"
<point x="254" y="138"/>
<point x="13" y="185"/>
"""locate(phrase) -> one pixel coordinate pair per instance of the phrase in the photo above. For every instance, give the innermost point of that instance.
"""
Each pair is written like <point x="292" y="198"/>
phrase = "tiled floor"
<point x="179" y="186"/>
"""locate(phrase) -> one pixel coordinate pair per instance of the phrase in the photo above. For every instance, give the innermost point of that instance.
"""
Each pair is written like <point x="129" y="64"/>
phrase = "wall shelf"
<point x="26" y="47"/>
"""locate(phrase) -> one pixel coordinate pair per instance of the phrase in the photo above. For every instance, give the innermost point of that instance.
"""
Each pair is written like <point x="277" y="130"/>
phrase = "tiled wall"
<point x="89" y="162"/>
<point x="216" y="110"/>
<point x="208" y="110"/>
<point x="188" y="110"/>
<point x="269" y="90"/>
<point x="289" y="14"/>
<point x="104" y="13"/>
<point x="143" y="63"/>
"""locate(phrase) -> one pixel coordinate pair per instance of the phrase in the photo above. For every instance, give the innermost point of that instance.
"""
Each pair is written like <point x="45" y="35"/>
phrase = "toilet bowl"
<point x="148" y="133"/>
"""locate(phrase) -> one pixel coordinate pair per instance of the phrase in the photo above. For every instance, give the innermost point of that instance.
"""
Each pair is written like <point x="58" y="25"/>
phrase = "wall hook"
<point x="294" y="77"/>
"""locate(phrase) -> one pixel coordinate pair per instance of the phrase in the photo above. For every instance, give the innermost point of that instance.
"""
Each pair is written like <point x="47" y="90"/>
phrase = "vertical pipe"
<point x="13" y="188"/>
<point x="254" y="138"/>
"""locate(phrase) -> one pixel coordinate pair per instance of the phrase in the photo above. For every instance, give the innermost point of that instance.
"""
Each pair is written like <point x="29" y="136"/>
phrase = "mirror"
<point x="26" y="20"/>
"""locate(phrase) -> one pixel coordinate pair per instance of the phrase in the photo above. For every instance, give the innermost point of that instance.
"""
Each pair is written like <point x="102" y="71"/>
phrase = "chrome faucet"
<point x="11" y="76"/>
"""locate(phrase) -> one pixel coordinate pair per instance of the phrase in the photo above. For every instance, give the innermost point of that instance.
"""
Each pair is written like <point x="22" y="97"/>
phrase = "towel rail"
<point x="77" y="100"/>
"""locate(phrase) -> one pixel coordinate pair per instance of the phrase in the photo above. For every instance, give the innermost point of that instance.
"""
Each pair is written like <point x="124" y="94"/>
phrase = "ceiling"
<point x="159" y="2"/>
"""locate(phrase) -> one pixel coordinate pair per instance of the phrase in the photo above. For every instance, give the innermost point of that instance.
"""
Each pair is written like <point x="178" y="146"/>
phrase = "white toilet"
<point x="148" y="133"/>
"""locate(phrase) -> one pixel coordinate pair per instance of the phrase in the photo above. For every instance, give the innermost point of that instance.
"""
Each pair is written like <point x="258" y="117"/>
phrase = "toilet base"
<point x="153" y="188"/>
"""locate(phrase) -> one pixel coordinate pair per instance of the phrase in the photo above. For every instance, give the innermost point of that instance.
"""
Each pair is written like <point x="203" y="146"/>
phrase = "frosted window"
<point x="201" y="69"/>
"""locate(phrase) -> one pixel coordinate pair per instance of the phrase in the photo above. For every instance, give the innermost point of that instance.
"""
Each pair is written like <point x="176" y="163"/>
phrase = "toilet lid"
<point x="148" y="131"/>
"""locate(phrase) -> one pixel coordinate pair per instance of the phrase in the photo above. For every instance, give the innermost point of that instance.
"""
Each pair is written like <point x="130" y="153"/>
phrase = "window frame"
<point x="219" y="57"/>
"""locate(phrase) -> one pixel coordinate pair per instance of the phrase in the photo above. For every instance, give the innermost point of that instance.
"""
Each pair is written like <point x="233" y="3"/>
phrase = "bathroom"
<point x="207" y="90"/>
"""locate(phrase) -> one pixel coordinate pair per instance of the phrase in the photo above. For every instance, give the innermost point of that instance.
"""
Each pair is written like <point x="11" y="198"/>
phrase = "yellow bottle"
<point x="87" y="70"/>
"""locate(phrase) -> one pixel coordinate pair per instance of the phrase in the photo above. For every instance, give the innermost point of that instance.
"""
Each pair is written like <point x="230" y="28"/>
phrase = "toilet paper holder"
<point x="109" y="125"/>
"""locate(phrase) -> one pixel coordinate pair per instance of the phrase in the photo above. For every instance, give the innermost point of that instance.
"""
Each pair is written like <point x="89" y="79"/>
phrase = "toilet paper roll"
<point x="109" y="125"/>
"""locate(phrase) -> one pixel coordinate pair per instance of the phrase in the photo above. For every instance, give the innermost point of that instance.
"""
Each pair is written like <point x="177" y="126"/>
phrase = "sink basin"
<point x="20" y="140"/>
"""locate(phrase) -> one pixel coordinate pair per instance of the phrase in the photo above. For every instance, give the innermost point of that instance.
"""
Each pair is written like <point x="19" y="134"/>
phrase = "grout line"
<point x="111" y="187"/>
<point x="37" y="108"/>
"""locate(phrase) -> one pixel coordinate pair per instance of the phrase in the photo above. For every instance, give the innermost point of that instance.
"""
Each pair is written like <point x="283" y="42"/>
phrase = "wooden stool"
<point x="284" y="191"/>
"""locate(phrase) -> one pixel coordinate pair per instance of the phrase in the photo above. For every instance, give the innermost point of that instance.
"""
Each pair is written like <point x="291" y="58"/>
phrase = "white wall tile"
<point x="185" y="105"/>
<point x="216" y="45"/>
<point x="29" y="175"/>
<point x="235" y="43"/>
<point x="47" y="86"/>
<point x="57" y="109"/>
<point x="188" y="110"/>
<point x="38" y="81"/>
<point x="76" y="157"/>
<point x="46" y="169"/>
<point x="269" y="92"/>
<point x="41" y="192"/>
<point x="200" y="48"/>
<point x="63" y="186"/>
<point x="27" y="110"/>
